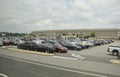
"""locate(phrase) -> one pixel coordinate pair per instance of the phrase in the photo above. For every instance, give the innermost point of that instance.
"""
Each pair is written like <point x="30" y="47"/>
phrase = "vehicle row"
<point x="45" y="45"/>
<point x="5" y="41"/>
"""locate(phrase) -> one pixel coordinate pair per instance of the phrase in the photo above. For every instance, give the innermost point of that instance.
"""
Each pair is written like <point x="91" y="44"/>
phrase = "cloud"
<point x="30" y="15"/>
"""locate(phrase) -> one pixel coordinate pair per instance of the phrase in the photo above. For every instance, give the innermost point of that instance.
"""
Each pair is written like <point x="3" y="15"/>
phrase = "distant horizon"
<point x="81" y="29"/>
<point x="12" y="32"/>
<point x="60" y="29"/>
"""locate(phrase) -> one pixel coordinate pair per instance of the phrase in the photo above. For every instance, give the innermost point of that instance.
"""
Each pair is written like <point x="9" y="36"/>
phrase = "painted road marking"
<point x="78" y="56"/>
<point x="3" y="75"/>
<point x="55" y="67"/>
<point x="65" y="57"/>
<point x="115" y="61"/>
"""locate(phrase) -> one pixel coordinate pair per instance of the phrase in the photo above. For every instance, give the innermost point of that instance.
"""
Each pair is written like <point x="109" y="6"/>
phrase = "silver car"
<point x="1" y="42"/>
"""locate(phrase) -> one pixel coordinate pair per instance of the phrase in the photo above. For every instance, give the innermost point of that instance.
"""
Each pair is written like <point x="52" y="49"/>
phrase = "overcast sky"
<point x="30" y="15"/>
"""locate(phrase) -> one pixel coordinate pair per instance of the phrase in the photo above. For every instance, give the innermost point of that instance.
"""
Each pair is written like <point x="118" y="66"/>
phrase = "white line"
<point x="65" y="57"/>
<point x="3" y="75"/>
<point x="55" y="67"/>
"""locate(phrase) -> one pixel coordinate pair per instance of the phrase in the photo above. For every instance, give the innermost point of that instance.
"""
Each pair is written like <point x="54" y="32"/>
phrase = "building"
<point x="79" y="33"/>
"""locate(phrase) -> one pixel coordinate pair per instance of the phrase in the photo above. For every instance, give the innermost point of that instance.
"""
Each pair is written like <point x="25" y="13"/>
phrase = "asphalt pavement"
<point x="16" y="68"/>
<point x="94" y="54"/>
<point x="96" y="63"/>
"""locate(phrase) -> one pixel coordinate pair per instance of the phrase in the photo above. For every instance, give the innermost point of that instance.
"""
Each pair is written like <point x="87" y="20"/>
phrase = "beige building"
<point x="78" y="33"/>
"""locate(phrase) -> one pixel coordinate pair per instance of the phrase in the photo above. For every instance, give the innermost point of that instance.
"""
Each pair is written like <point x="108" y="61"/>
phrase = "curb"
<point x="33" y="52"/>
<point x="115" y="61"/>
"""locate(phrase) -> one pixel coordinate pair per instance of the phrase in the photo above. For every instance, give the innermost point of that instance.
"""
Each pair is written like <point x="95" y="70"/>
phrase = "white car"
<point x="115" y="49"/>
<point x="1" y="42"/>
<point x="39" y="41"/>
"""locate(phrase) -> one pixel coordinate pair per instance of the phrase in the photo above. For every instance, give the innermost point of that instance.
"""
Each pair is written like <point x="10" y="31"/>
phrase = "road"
<point x="16" y="68"/>
<point x="21" y="64"/>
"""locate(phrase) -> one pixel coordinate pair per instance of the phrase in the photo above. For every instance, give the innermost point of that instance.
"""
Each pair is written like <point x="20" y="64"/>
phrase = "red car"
<point x="6" y="42"/>
<point x="59" y="48"/>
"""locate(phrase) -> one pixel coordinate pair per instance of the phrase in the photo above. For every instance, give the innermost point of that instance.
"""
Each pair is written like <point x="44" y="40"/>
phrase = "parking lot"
<point x="95" y="54"/>
<point x="88" y="60"/>
<point x="84" y="57"/>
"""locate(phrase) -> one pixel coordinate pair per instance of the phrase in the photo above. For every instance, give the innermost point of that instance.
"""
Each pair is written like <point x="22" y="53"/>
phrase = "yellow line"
<point x="115" y="61"/>
<point x="34" y="52"/>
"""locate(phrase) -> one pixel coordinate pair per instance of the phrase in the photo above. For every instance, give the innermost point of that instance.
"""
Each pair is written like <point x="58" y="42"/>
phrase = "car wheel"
<point x="115" y="53"/>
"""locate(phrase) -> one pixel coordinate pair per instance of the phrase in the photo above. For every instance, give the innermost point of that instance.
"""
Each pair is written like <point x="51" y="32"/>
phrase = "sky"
<point x="25" y="16"/>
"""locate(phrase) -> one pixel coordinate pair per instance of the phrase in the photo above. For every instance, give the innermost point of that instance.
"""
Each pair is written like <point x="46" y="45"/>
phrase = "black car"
<point x="70" y="46"/>
<point x="26" y="46"/>
<point x="36" y="47"/>
<point x="44" y="48"/>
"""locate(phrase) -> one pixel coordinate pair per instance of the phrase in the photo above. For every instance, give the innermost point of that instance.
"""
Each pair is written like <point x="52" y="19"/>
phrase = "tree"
<point x="92" y="34"/>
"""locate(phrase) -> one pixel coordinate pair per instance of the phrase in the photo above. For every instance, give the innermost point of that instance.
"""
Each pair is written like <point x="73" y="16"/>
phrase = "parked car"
<point x="36" y="47"/>
<point x="26" y="46"/>
<point x="71" y="46"/>
<point x="81" y="45"/>
<point x="20" y="41"/>
<point x="1" y="43"/>
<point x="91" y="43"/>
<point x="13" y="42"/>
<point x="77" y="44"/>
<point x="114" y="49"/>
<point x="6" y="42"/>
<point x="59" y="48"/>
<point x="43" y="48"/>
<point x="85" y="43"/>
<point x="39" y="41"/>
<point x="97" y="42"/>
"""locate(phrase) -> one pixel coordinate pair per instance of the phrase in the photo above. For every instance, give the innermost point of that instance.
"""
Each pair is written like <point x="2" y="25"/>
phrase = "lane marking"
<point x="55" y="67"/>
<point x="3" y="75"/>
<point x="65" y="57"/>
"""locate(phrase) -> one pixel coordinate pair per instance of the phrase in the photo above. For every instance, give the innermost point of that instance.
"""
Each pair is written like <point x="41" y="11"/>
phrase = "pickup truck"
<point x="115" y="50"/>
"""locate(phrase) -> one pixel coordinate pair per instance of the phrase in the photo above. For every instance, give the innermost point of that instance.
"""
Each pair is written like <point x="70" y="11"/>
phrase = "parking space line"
<point x="65" y="57"/>
<point x="3" y="75"/>
<point x="59" y="68"/>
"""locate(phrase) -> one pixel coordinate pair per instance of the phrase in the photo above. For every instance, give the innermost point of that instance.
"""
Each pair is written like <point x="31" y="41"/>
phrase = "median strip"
<point x="34" y="52"/>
